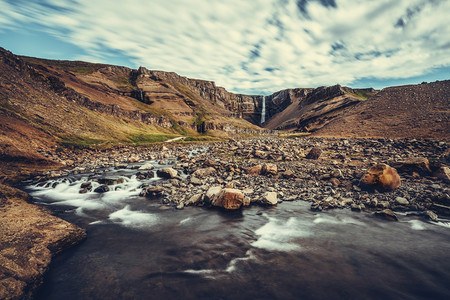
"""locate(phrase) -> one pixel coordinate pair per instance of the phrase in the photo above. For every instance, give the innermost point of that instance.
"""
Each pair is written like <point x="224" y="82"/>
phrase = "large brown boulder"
<point x="167" y="173"/>
<point x="381" y="176"/>
<point x="230" y="199"/>
<point x="255" y="170"/>
<point x="314" y="153"/>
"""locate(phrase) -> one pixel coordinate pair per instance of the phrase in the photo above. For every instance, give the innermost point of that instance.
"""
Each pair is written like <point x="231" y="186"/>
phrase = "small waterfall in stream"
<point x="263" y="110"/>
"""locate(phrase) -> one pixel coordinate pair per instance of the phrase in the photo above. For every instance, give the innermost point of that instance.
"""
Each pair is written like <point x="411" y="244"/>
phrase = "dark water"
<point x="136" y="250"/>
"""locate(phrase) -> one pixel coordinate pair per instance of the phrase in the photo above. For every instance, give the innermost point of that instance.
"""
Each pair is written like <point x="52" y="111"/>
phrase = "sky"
<point x="246" y="46"/>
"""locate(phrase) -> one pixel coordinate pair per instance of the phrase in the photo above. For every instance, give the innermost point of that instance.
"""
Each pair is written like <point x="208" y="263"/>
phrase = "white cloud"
<point x="258" y="45"/>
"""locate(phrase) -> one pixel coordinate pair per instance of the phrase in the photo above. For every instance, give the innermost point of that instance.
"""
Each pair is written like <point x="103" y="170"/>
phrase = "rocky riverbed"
<point x="265" y="171"/>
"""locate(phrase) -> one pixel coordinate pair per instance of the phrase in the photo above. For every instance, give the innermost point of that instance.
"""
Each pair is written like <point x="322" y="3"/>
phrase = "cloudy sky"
<point x="249" y="46"/>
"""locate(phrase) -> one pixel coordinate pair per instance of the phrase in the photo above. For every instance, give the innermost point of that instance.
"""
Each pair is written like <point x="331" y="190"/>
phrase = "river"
<point x="138" y="248"/>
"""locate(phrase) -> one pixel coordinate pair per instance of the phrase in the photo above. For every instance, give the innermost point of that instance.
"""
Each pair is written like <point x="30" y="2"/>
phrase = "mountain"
<point x="410" y="111"/>
<point x="310" y="109"/>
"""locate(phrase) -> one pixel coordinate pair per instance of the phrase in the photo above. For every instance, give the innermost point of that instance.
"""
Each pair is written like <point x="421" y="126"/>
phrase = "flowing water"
<point x="263" y="110"/>
<point x="137" y="250"/>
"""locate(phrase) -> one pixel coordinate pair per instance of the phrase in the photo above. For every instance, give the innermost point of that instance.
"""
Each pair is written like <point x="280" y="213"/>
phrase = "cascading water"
<point x="263" y="110"/>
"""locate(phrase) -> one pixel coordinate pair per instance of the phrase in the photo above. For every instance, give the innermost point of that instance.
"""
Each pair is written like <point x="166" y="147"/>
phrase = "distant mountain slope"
<point x="411" y="111"/>
<point x="311" y="109"/>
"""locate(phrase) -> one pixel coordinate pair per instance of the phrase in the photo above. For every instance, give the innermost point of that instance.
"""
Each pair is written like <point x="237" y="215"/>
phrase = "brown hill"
<point x="411" y="111"/>
<point x="311" y="109"/>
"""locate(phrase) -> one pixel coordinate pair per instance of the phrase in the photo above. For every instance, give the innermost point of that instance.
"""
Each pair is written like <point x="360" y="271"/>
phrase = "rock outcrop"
<point x="30" y="237"/>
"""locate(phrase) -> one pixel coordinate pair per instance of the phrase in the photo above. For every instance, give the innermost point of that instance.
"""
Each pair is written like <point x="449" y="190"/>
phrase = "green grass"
<point x="362" y="94"/>
<point x="79" y="141"/>
<point x="293" y="135"/>
<point x="146" y="138"/>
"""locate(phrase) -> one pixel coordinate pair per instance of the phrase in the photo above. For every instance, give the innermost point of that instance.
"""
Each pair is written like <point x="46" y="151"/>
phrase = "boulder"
<point x="144" y="175"/>
<point x="381" y="176"/>
<point x="204" y="172"/>
<point x="288" y="174"/>
<point x="195" y="199"/>
<point x="260" y="154"/>
<point x="269" y="168"/>
<point x="419" y="165"/>
<point x="153" y="191"/>
<point x="230" y="199"/>
<point x="102" y="189"/>
<point x="147" y="166"/>
<point x="255" y="170"/>
<point x="443" y="173"/>
<point x="110" y="181"/>
<point x="314" y="153"/>
<point x="167" y="173"/>
<point x="212" y="193"/>
<point x="401" y="201"/>
<point x="269" y="198"/>
<point x="386" y="214"/>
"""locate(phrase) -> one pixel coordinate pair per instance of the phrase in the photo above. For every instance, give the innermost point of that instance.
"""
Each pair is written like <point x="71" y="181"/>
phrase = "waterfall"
<point x="263" y="110"/>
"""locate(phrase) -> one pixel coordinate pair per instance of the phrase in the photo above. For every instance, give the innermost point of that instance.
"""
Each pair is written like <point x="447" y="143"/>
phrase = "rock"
<point x="86" y="185"/>
<point x="314" y="153"/>
<point x="144" y="175"/>
<point x="356" y="207"/>
<point x="202" y="173"/>
<point x="386" y="214"/>
<point x="153" y="191"/>
<point x="102" y="189"/>
<point x="180" y="205"/>
<point x="167" y="173"/>
<point x="419" y="165"/>
<point x="255" y="170"/>
<point x="260" y="154"/>
<point x="147" y="166"/>
<point x="230" y="199"/>
<point x="431" y="216"/>
<point x="110" y="181"/>
<point x="443" y="173"/>
<point x="269" y="168"/>
<point x="195" y="181"/>
<point x="209" y="163"/>
<point x="381" y="176"/>
<point x="401" y="201"/>
<point x="212" y="193"/>
<point x="334" y="181"/>
<point x="29" y="237"/>
<point x="269" y="198"/>
<point x="288" y="174"/>
<point x="195" y="199"/>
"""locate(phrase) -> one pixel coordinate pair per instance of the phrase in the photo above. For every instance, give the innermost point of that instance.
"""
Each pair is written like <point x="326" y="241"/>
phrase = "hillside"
<point x="411" y="111"/>
<point x="45" y="104"/>
<point x="311" y="109"/>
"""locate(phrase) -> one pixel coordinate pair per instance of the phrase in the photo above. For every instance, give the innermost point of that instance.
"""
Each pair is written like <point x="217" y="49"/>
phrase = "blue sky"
<point x="247" y="46"/>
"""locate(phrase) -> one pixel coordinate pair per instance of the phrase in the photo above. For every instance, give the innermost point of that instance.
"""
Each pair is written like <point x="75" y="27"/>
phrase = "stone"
<point x="401" y="201"/>
<point x="269" y="168"/>
<point x="195" y="199"/>
<point x="230" y="199"/>
<point x="110" y="181"/>
<point x="356" y="207"/>
<point x="195" y="181"/>
<point x="443" y="173"/>
<point x="147" y="166"/>
<point x="86" y="185"/>
<point x="381" y="176"/>
<point x="209" y="163"/>
<point x="255" y="170"/>
<point x="419" y="165"/>
<point x="288" y="174"/>
<point x="153" y="191"/>
<point x="260" y="154"/>
<point x="269" y="198"/>
<point x="102" y="189"/>
<point x="204" y="172"/>
<point x="314" y="153"/>
<point x="212" y="193"/>
<point x="431" y="216"/>
<point x="167" y="173"/>
<point x="386" y="214"/>
<point x="144" y="175"/>
<point x="334" y="181"/>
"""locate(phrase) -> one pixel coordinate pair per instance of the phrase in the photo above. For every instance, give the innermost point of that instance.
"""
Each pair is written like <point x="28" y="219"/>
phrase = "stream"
<point x="138" y="248"/>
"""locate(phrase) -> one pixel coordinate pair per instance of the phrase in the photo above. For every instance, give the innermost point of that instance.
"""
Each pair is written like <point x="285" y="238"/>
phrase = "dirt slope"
<point x="411" y="111"/>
